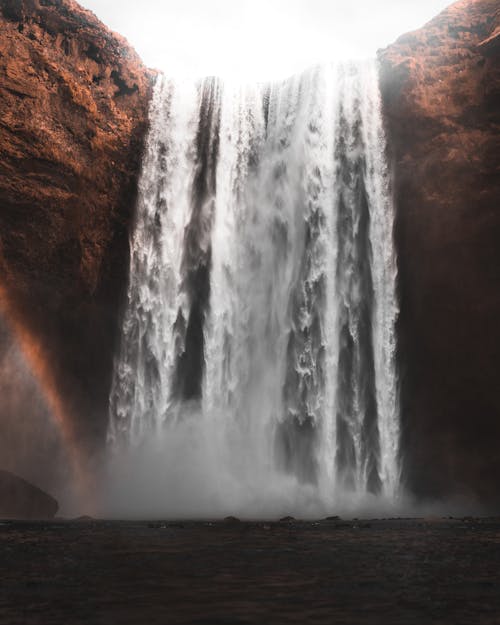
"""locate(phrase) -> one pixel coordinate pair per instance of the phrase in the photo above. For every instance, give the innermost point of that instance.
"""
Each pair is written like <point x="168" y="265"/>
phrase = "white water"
<point x="256" y="374"/>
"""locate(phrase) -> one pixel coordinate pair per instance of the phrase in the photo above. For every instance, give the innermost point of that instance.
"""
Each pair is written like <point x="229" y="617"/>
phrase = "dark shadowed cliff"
<point x="441" y="90"/>
<point x="73" y="112"/>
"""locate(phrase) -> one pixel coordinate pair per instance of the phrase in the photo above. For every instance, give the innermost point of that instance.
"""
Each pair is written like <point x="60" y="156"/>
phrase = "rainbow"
<point x="37" y="360"/>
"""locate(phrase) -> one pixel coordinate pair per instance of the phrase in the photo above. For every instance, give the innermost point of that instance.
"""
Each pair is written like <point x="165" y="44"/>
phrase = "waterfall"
<point x="261" y="308"/>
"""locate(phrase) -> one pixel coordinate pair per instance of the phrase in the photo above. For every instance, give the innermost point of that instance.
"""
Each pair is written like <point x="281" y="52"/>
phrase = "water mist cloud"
<point x="191" y="472"/>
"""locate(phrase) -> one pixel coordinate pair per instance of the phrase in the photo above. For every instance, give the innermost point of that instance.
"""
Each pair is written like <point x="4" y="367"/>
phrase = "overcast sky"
<point x="258" y="39"/>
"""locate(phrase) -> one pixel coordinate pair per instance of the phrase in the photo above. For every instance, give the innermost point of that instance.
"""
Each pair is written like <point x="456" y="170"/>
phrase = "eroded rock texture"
<point x="73" y="112"/>
<point x="441" y="90"/>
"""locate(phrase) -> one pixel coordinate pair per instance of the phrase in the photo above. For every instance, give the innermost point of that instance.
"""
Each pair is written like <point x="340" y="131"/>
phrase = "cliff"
<point x="441" y="93"/>
<point x="73" y="113"/>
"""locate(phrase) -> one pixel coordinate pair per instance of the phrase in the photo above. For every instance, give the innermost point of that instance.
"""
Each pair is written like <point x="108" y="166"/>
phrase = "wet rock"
<point x="21" y="500"/>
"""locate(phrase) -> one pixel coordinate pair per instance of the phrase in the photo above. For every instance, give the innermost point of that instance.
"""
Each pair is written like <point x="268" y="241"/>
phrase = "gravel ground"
<point x="230" y="572"/>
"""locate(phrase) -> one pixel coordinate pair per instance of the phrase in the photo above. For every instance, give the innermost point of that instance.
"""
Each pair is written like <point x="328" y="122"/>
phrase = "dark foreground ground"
<point x="377" y="572"/>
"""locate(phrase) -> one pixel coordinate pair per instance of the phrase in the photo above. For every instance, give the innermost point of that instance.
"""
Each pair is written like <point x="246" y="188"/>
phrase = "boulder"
<point x="21" y="500"/>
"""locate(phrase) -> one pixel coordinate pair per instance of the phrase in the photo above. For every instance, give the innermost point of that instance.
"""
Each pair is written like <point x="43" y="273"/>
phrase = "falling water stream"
<point x="256" y="371"/>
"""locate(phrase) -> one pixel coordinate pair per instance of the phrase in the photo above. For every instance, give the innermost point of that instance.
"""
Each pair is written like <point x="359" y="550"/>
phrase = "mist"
<point x="192" y="471"/>
<point x="196" y="470"/>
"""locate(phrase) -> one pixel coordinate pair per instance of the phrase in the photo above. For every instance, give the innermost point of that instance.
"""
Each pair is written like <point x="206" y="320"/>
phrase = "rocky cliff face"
<point x="73" y="112"/>
<point x="441" y="91"/>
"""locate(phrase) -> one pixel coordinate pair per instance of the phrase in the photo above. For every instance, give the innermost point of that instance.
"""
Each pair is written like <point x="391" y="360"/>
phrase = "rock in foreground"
<point x="21" y="500"/>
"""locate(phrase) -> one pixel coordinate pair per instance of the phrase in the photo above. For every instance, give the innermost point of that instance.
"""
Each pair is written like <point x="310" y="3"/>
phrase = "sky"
<point x="258" y="39"/>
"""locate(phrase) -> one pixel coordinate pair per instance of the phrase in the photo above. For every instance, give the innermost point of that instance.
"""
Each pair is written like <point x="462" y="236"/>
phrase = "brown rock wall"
<point x="441" y="92"/>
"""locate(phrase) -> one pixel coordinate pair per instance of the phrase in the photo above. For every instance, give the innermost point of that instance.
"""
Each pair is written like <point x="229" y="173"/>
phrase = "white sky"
<point x="258" y="39"/>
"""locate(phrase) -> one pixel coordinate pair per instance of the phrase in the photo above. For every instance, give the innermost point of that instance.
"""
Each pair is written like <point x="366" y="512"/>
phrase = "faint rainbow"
<point x="38" y="363"/>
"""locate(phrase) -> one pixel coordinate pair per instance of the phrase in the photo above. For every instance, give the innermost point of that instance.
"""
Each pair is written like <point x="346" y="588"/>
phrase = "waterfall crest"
<point x="261" y="307"/>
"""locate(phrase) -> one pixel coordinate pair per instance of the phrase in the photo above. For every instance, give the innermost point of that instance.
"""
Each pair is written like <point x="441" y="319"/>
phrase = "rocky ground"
<point x="360" y="572"/>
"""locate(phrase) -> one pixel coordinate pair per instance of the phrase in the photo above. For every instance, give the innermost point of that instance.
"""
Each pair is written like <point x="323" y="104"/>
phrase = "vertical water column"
<point x="367" y="430"/>
<point x="197" y="244"/>
<point x="158" y="298"/>
<point x="307" y="386"/>
<point x="237" y="392"/>
<point x="384" y="277"/>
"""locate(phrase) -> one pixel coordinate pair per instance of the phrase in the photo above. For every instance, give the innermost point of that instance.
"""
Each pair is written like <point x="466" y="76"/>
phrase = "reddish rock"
<point x="21" y="500"/>
<point x="73" y="113"/>
<point x="441" y="92"/>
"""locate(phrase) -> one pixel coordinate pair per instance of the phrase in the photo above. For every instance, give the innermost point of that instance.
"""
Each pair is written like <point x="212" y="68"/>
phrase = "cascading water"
<point x="257" y="359"/>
